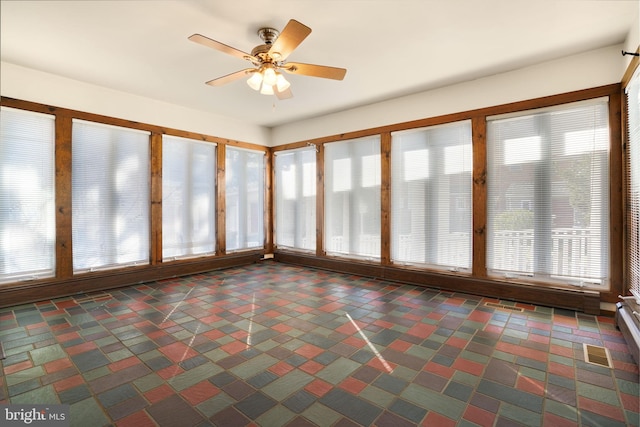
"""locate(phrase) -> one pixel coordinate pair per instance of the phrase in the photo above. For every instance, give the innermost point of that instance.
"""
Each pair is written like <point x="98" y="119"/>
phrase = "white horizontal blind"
<point x="352" y="197"/>
<point x="110" y="196"/>
<point x="548" y="194"/>
<point x="27" y="197"/>
<point x="296" y="199"/>
<point x="633" y="180"/>
<point x="431" y="196"/>
<point x="244" y="198"/>
<point x="188" y="197"/>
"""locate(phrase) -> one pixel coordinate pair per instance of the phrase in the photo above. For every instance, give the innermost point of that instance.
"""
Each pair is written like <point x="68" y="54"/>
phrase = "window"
<point x="27" y="198"/>
<point x="244" y="199"/>
<point x="431" y="196"/>
<point x="110" y="196"/>
<point x="296" y="199"/>
<point x="633" y="183"/>
<point x="188" y="197"/>
<point x="352" y="197"/>
<point x="548" y="194"/>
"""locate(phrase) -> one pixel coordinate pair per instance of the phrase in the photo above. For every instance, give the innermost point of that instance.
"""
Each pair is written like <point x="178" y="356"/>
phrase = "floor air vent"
<point x="97" y="297"/>
<point x="596" y="355"/>
<point x="504" y="307"/>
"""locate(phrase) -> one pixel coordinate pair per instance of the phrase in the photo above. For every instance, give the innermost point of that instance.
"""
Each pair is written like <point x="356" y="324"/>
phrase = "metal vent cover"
<point x="597" y="355"/>
<point x="503" y="306"/>
<point x="96" y="297"/>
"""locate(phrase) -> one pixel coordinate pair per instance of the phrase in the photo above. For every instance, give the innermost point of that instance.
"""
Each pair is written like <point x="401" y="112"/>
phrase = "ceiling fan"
<point x="269" y="59"/>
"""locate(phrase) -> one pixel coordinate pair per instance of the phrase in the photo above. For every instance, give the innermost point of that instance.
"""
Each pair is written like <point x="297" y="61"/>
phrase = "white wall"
<point x="633" y="39"/>
<point x="36" y="86"/>
<point x="594" y="68"/>
<point x="582" y="71"/>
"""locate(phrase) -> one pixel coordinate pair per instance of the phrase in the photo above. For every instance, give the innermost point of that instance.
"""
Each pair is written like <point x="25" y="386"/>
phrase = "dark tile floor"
<point x="277" y="345"/>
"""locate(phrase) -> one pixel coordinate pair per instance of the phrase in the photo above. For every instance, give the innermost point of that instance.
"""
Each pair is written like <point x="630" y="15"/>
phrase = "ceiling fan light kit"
<point x="265" y="78"/>
<point x="269" y="59"/>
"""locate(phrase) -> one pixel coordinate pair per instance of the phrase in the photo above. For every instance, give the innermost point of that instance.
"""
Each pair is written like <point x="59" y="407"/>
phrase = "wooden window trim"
<point x="66" y="283"/>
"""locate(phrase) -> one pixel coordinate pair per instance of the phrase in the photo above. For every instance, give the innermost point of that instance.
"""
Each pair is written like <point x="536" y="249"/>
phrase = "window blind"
<point x="110" y="196"/>
<point x="431" y="197"/>
<point x="27" y="197"/>
<point x="548" y="194"/>
<point x="244" y="197"/>
<point x="633" y="183"/>
<point x="352" y="197"/>
<point x="295" y="197"/>
<point x="188" y="197"/>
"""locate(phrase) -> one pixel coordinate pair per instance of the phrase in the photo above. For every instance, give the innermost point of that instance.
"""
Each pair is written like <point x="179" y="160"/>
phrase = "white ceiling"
<point x="389" y="47"/>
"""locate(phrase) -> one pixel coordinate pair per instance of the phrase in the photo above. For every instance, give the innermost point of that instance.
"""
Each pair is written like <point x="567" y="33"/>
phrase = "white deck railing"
<point x="574" y="252"/>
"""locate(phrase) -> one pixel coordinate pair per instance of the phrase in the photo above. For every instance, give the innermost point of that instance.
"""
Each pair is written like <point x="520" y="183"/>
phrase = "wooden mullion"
<point x="631" y="68"/>
<point x="155" y="226"/>
<point x="320" y="200"/>
<point x="221" y="231"/>
<point x="268" y="202"/>
<point x="63" y="197"/>
<point x="616" y="214"/>
<point x="385" y="198"/>
<point x="479" y="196"/>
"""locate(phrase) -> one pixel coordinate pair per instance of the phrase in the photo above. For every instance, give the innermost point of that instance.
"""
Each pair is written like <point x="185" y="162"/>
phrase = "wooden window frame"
<point x="476" y="282"/>
<point x="65" y="282"/>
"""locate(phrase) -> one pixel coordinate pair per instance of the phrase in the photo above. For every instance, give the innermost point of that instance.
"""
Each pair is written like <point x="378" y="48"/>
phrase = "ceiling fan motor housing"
<point x="268" y="35"/>
<point x="260" y="51"/>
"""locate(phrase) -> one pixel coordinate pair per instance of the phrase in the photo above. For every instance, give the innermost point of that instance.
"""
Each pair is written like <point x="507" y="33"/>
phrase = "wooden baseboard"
<point x="28" y="292"/>
<point x="579" y="300"/>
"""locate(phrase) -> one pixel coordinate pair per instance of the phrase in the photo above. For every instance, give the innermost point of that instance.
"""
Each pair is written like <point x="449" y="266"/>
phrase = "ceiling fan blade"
<point x="290" y="37"/>
<point x="285" y="94"/>
<point x="206" y="41"/>
<point x="315" y="70"/>
<point x="230" y="77"/>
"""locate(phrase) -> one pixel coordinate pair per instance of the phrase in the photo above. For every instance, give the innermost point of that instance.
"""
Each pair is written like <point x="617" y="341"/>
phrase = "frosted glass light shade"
<point x="255" y="81"/>
<point x="281" y="83"/>
<point x="269" y="76"/>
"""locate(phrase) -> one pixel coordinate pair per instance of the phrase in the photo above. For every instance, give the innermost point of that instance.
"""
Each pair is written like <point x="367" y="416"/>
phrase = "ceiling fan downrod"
<point x="268" y="35"/>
